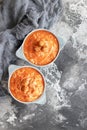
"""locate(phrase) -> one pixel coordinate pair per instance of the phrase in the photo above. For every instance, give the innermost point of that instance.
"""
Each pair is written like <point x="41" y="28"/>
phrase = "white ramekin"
<point x="41" y="99"/>
<point x="20" y="53"/>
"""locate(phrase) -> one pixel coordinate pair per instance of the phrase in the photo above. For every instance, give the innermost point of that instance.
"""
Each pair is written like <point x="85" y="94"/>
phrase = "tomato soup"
<point x="26" y="84"/>
<point x="40" y="47"/>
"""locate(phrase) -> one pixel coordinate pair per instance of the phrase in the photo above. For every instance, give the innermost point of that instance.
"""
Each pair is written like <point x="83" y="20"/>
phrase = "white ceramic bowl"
<point x="41" y="99"/>
<point x="21" y="50"/>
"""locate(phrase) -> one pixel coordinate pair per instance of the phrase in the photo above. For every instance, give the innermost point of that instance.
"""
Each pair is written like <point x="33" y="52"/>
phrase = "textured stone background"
<point x="66" y="107"/>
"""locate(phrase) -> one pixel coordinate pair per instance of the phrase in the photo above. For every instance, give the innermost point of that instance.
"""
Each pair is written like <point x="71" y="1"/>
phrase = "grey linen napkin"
<point x="17" y="19"/>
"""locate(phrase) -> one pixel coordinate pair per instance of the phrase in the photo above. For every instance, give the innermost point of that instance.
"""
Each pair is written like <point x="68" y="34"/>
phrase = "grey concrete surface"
<point x="66" y="106"/>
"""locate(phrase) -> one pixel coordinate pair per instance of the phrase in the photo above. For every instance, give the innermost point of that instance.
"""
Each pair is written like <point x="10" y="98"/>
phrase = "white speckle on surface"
<point x="60" y="118"/>
<point x="21" y="121"/>
<point x="26" y="117"/>
<point x="77" y="125"/>
<point x="11" y="118"/>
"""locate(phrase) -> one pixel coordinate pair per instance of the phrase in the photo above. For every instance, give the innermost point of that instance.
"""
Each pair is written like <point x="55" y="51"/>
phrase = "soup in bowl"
<point x="26" y="84"/>
<point x="40" y="47"/>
